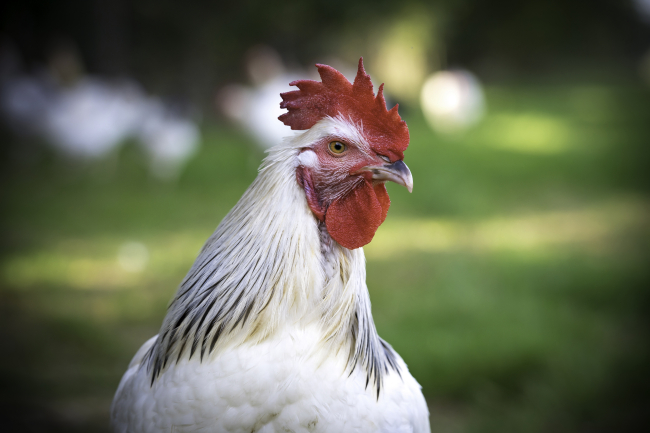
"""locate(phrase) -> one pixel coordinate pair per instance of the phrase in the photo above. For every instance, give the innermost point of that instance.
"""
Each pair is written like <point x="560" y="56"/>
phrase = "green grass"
<point x="512" y="281"/>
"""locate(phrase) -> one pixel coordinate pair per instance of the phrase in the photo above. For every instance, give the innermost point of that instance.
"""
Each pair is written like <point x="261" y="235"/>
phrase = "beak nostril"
<point x="396" y="172"/>
<point x="385" y="158"/>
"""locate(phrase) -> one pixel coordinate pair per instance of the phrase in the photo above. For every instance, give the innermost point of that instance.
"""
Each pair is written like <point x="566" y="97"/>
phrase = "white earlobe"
<point x="308" y="158"/>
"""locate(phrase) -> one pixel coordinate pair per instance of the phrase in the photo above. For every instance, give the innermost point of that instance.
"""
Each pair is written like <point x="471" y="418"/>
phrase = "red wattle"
<point x="384" y="200"/>
<point x="353" y="220"/>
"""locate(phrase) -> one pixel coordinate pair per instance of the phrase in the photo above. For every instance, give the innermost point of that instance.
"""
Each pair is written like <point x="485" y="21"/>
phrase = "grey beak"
<point x="396" y="172"/>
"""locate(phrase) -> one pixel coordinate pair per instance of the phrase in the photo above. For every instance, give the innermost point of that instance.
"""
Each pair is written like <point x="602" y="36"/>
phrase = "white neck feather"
<point x="271" y="264"/>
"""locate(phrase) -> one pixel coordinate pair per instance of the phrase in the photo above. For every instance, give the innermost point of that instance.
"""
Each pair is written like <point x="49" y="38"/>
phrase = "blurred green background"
<point x="513" y="281"/>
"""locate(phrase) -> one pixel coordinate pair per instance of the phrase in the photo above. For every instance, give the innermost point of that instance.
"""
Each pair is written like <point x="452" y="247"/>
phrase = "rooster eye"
<point x="337" y="148"/>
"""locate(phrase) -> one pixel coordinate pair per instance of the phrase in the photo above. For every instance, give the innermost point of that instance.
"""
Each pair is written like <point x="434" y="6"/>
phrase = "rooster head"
<point x="359" y="146"/>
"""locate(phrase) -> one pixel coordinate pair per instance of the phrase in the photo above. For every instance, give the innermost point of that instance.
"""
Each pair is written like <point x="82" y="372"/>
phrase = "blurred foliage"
<point x="188" y="48"/>
<point x="513" y="280"/>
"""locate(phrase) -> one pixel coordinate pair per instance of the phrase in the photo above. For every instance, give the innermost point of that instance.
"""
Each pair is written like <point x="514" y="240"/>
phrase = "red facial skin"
<point x="347" y="200"/>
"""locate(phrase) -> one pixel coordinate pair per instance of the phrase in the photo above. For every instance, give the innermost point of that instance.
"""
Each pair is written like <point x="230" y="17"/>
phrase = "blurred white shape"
<point x="264" y="110"/>
<point x="233" y="101"/>
<point x="452" y="101"/>
<point x="263" y="64"/>
<point x="256" y="109"/>
<point x="133" y="256"/>
<point x="91" y="118"/>
<point x="169" y="140"/>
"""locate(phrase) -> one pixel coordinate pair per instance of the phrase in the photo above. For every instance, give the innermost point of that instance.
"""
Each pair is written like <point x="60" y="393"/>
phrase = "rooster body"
<point x="271" y="330"/>
<point x="284" y="384"/>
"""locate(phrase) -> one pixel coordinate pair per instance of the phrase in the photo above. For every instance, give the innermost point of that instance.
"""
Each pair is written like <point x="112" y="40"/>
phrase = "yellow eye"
<point x="337" y="148"/>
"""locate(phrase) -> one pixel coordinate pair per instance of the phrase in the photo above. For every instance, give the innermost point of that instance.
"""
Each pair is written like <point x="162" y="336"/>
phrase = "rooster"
<point x="271" y="330"/>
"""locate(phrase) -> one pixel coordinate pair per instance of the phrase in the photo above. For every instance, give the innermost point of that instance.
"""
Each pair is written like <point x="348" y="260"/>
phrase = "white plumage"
<point x="271" y="330"/>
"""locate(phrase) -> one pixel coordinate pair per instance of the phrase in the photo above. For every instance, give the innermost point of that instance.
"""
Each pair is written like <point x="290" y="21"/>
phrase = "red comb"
<point x="387" y="132"/>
